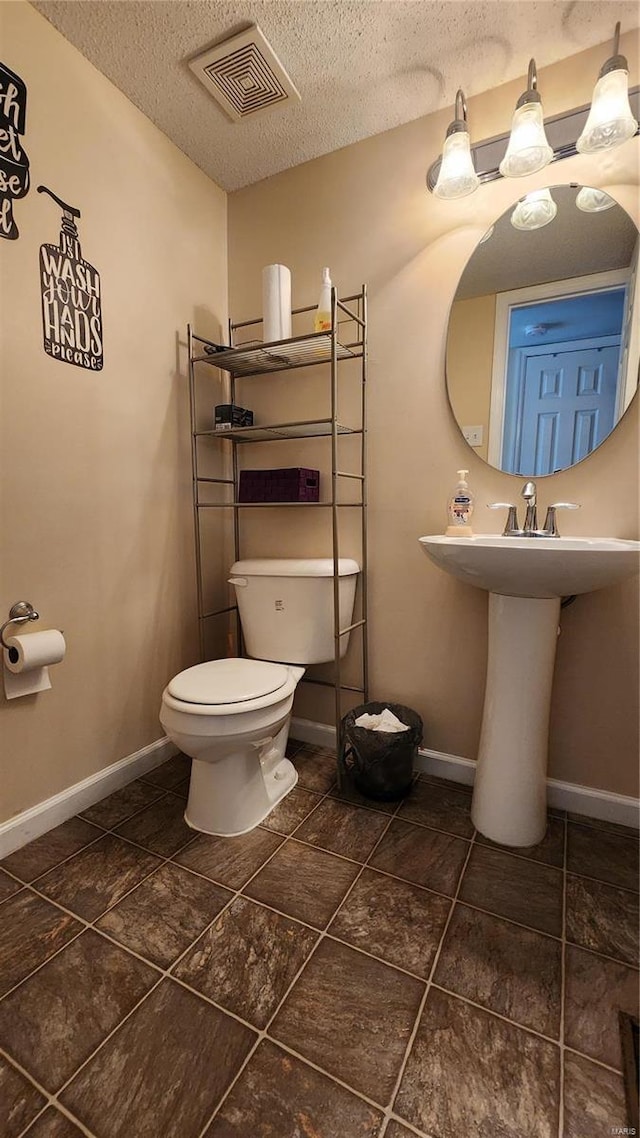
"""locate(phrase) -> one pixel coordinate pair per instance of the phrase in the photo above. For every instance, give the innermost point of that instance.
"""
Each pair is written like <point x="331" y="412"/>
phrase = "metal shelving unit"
<point x="254" y="359"/>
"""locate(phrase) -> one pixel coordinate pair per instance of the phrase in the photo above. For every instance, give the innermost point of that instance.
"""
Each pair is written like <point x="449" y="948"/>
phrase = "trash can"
<point x="380" y="763"/>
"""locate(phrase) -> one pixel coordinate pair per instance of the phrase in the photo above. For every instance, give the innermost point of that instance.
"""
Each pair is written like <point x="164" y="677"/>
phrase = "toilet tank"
<point x="286" y="607"/>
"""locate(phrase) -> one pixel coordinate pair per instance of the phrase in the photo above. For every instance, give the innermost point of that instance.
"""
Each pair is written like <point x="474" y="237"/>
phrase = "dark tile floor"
<point x="343" y="971"/>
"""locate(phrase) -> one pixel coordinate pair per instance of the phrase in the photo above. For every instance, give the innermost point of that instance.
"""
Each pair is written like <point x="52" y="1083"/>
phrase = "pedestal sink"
<point x="526" y="579"/>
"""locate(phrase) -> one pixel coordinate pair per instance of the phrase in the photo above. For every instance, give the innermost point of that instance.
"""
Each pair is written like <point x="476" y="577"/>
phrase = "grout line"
<point x="599" y="881"/>
<point x="83" y="927"/>
<point x="512" y="851"/>
<point x="117" y="1027"/>
<point x="423" y="1001"/>
<point x="408" y="1126"/>
<point x="603" y="955"/>
<point x="140" y="809"/>
<point x="628" y="833"/>
<point x="102" y="833"/>
<point x="50" y="1100"/>
<point x="563" y="975"/>
<point x="598" y="1062"/>
<point x="497" y="1015"/>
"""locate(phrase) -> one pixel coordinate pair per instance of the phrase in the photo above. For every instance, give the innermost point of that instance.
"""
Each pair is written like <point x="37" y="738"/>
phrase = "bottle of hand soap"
<point x="322" y="318"/>
<point x="460" y="508"/>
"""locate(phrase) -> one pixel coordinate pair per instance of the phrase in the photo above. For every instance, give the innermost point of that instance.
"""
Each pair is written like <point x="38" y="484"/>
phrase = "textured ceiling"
<point x="574" y="244"/>
<point x="361" y="66"/>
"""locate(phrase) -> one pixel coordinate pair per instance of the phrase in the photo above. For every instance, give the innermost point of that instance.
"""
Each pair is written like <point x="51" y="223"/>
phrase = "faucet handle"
<point x="550" y="524"/>
<point x="511" y="524"/>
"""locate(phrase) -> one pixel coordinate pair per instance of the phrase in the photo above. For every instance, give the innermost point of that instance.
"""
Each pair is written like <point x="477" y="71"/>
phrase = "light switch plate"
<point x="473" y="435"/>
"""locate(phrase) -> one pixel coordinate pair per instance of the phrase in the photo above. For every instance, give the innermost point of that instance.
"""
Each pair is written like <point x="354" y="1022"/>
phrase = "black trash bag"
<point x="380" y="763"/>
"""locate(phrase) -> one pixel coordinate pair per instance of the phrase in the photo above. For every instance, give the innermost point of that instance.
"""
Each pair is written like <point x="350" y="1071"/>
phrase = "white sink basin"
<point x="535" y="566"/>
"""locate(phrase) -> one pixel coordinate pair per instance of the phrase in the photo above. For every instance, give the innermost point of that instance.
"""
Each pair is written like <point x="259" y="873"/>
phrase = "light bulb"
<point x="535" y="210"/>
<point x="593" y="201"/>
<point x="457" y="176"/>
<point x="610" y="120"/>
<point x="528" y="149"/>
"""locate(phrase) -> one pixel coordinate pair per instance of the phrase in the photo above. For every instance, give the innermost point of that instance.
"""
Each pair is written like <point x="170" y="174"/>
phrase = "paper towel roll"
<point x="26" y="661"/>
<point x="276" y="303"/>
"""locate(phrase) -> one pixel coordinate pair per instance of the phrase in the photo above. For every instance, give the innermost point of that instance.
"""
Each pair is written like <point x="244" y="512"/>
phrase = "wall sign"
<point x="71" y="312"/>
<point x="14" y="164"/>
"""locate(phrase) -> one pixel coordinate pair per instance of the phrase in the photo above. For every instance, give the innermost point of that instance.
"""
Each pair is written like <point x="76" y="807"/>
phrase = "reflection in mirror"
<point x="544" y="332"/>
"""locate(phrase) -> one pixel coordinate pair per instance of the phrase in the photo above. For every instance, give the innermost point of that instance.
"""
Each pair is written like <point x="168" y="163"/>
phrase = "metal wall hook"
<point x="19" y="613"/>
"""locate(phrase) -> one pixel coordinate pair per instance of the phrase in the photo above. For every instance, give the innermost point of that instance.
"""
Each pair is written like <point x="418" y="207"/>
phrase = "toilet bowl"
<point x="232" y="716"/>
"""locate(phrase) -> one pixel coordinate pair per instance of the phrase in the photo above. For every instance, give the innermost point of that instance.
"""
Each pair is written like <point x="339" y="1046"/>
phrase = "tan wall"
<point x="96" y="507"/>
<point x="469" y="363"/>
<point x="364" y="212"/>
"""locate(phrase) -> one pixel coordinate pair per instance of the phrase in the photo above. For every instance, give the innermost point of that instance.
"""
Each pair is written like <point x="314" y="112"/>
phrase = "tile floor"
<point x="342" y="971"/>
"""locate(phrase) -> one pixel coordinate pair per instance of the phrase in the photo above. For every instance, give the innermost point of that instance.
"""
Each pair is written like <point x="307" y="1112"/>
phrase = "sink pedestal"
<point x="510" y="792"/>
<point x="525" y="578"/>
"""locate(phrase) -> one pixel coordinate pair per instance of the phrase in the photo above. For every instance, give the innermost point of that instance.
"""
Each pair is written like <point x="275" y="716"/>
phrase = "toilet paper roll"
<point x="34" y="650"/>
<point x="276" y="303"/>
<point x="26" y="661"/>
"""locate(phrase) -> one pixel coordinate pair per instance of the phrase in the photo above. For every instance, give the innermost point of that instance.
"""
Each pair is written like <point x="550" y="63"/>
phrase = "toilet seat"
<point x="230" y="686"/>
<point x="228" y="681"/>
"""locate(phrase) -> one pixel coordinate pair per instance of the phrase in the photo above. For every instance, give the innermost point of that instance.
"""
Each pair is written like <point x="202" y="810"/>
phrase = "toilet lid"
<point x="228" y="681"/>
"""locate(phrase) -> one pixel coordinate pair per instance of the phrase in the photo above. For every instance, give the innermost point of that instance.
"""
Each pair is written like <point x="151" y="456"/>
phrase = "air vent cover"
<point x="244" y="75"/>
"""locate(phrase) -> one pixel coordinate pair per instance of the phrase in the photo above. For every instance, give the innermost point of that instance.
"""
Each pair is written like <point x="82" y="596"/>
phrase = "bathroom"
<point x="98" y="535"/>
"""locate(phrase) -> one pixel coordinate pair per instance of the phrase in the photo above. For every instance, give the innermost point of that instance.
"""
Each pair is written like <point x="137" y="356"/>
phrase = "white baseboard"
<point x="587" y="800"/>
<point x="30" y="824"/>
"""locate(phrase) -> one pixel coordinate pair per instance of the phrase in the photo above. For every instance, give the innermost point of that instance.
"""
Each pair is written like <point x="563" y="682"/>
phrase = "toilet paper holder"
<point x="19" y="613"/>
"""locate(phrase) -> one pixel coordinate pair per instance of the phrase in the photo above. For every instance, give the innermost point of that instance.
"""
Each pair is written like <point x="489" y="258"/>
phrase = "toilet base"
<point x="232" y="795"/>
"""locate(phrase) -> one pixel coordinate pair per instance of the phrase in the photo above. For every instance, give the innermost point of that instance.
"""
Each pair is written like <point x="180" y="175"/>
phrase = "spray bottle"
<point x="322" y="319"/>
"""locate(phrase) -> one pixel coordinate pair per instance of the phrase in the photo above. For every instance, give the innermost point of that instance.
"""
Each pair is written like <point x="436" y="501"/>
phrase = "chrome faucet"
<point x="530" y="527"/>
<point x="531" y="515"/>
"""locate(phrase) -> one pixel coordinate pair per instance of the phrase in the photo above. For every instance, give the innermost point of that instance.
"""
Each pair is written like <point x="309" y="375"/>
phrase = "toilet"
<point x="232" y="716"/>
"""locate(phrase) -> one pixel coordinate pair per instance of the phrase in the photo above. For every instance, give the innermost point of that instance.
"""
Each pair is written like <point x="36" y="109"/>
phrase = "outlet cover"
<point x="473" y="435"/>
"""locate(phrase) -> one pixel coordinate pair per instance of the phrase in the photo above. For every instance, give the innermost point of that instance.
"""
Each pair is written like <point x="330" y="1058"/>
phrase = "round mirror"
<point x="544" y="332"/>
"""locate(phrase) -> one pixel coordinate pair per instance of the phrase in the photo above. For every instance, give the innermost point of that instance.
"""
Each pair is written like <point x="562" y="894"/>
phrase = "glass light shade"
<point x="535" y="211"/>
<point x="610" y="120"/>
<point x="457" y="176"/>
<point x="593" y="201"/>
<point x="528" y="149"/>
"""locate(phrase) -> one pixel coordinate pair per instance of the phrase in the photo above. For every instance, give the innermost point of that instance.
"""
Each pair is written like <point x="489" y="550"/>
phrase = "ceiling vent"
<point x="244" y="75"/>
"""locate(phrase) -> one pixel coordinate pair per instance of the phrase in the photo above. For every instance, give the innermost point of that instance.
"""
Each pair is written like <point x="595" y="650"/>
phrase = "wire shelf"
<point x="311" y="429"/>
<point x="257" y="359"/>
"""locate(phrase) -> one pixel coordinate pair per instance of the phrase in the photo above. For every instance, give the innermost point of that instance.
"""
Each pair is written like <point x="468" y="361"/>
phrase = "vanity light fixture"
<point x="528" y="149"/>
<point x="610" y="120"/>
<point x="593" y="201"/>
<point x="535" y="210"/>
<point x="457" y="176"/>
<point x="532" y="143"/>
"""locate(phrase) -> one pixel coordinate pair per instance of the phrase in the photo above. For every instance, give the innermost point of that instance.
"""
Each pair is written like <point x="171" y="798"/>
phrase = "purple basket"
<point x="292" y="484"/>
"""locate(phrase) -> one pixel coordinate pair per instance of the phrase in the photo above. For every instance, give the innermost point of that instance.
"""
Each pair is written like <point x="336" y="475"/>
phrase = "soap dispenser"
<point x="460" y="508"/>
